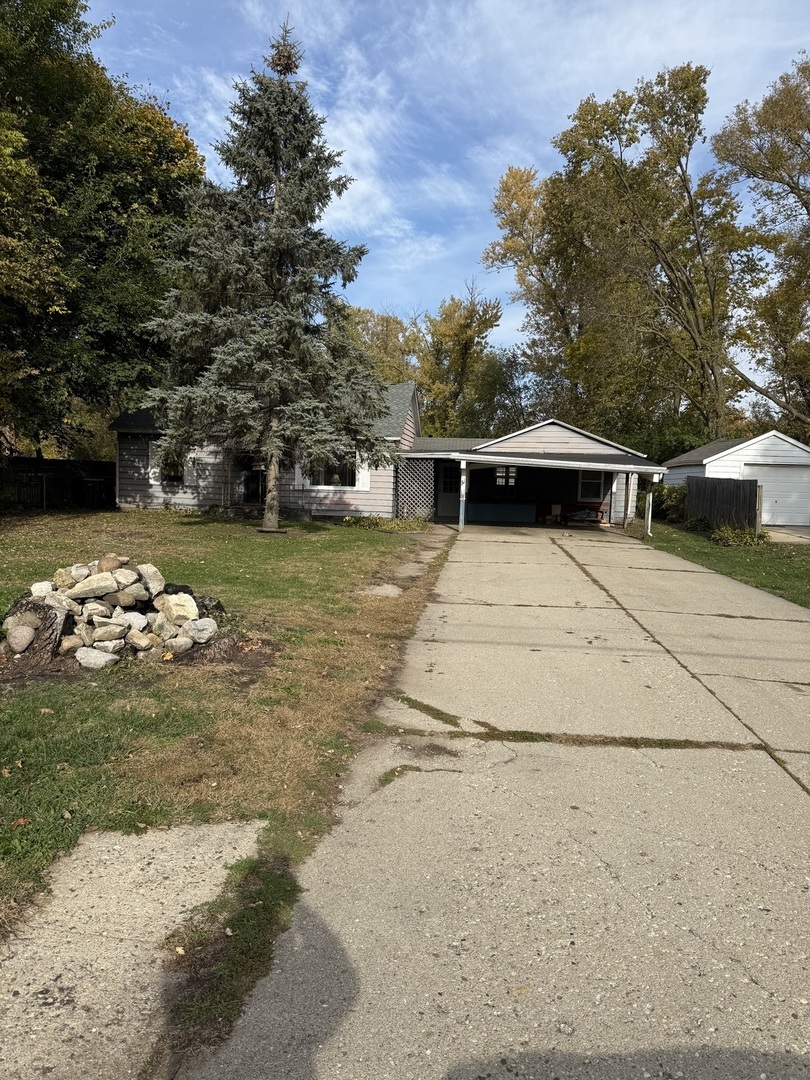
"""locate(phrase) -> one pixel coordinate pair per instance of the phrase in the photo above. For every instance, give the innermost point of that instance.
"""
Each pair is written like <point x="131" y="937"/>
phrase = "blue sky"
<point x="431" y="101"/>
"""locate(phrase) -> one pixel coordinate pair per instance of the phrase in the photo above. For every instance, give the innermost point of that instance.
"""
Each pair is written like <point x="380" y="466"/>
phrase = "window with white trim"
<point x="591" y="485"/>
<point x="180" y="471"/>
<point x="505" y="475"/>
<point x="334" y="474"/>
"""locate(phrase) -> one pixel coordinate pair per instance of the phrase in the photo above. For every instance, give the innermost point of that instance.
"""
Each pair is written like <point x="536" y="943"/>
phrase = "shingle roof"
<point x="399" y="396"/>
<point x="703" y="453"/>
<point x="430" y="445"/>
<point x="141" y="421"/>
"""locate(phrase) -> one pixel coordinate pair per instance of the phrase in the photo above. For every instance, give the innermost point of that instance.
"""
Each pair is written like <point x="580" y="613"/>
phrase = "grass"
<point x="782" y="569"/>
<point x="267" y="733"/>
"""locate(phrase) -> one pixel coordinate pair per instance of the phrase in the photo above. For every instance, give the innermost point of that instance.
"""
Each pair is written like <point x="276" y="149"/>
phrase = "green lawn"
<point x="782" y="569"/>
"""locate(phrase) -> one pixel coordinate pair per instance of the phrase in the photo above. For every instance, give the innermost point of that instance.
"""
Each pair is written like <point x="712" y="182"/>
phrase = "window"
<point x="505" y="475"/>
<point x="451" y="481"/>
<point x="168" y="471"/>
<point x="340" y="474"/>
<point x="591" y="486"/>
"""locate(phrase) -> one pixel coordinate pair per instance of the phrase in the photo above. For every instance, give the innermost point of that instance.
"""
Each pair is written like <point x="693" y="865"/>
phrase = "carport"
<point x="548" y="473"/>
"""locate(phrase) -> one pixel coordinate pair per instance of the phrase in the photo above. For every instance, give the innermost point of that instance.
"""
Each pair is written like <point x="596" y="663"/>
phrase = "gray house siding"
<point x="208" y="478"/>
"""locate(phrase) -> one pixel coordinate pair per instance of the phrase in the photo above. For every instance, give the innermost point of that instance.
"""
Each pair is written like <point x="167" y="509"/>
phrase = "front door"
<point x="448" y="496"/>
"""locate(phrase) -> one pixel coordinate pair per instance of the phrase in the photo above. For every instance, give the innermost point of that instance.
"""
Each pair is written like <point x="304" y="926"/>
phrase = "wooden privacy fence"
<point x="722" y="502"/>
<point x="48" y="484"/>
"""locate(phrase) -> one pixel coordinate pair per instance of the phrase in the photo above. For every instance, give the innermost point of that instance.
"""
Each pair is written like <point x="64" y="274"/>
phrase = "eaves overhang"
<point x="596" y="464"/>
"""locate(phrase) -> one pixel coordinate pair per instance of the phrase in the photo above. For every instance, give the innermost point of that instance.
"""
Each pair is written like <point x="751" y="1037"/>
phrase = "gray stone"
<point x="157" y="641"/>
<point x="61" y="602"/>
<point x="85" y="632"/>
<point x="152" y="578"/>
<point x="138" y="640"/>
<point x="42" y="588"/>
<point x="24" y="618"/>
<point x="120" y="599"/>
<point x="180" y="645"/>
<point x="70" y="643"/>
<point x="199" y="630"/>
<point x="136" y="591"/>
<point x="133" y="619"/>
<point x="110" y="646"/>
<point x="96" y="660"/>
<point x="20" y="637"/>
<point x="93" y="586"/>
<point x="97" y="607"/>
<point x="79" y="571"/>
<point x="125" y="578"/>
<point x="110" y="632"/>
<point x="177" y="607"/>
<point x="163" y="627"/>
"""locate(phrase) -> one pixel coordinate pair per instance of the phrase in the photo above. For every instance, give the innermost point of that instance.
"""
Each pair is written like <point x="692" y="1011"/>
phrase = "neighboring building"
<point x="550" y="471"/>
<point x="780" y="464"/>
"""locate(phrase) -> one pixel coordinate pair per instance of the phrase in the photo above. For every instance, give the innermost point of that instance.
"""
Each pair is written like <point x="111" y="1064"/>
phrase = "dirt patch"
<point x="82" y="977"/>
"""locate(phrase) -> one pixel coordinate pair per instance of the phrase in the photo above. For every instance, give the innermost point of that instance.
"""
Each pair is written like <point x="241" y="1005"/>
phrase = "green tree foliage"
<point x="768" y="146"/>
<point x="389" y="340"/>
<point x="264" y="354"/>
<point x="92" y="181"/>
<point x="633" y="269"/>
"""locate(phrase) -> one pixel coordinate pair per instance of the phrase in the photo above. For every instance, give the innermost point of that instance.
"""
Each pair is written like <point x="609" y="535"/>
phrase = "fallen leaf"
<point x="46" y="712"/>
<point x="228" y="932"/>
<point x="20" y="822"/>
<point x="66" y="814"/>
<point x="6" y="771"/>
<point x="18" y="764"/>
<point x="166" y="656"/>
<point x="141" y="825"/>
<point x="180" y="950"/>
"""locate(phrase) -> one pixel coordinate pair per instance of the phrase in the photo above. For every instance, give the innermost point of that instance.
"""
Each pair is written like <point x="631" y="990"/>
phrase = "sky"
<point x="431" y="101"/>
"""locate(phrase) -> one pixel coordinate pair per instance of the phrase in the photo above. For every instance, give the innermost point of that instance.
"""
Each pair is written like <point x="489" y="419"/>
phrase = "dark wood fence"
<point x="57" y="485"/>
<point x="722" y="502"/>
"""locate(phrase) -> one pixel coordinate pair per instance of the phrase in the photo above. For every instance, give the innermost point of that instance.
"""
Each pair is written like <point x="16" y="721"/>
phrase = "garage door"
<point x="785" y="493"/>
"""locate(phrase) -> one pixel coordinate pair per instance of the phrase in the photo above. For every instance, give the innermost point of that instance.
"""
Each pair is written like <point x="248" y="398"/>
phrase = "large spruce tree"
<point x="263" y="360"/>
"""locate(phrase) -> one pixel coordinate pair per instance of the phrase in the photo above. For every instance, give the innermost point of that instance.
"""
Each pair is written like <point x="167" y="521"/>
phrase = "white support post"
<point x="462" y="496"/>
<point x="648" y="508"/>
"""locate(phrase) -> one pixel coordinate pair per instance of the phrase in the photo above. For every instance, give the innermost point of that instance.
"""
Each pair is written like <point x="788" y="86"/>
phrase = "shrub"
<point x="669" y="502"/>
<point x="728" y="536"/>
<point x="698" y="525"/>
<point x="381" y="524"/>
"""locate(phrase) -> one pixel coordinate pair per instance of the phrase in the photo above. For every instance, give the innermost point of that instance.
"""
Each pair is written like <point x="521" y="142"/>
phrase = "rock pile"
<point x="102" y="610"/>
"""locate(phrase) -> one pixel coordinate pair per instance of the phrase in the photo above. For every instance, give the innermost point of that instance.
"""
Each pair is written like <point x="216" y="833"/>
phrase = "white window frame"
<point x="591" y="473"/>
<point x="509" y="473"/>
<point x="362" y="480"/>
<point x="189" y="478"/>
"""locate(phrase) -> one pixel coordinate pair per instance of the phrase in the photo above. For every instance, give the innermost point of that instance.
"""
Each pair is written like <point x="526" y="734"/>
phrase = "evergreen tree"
<point x="264" y="359"/>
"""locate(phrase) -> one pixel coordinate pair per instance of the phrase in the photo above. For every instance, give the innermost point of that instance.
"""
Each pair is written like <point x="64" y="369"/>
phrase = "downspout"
<point x="462" y="496"/>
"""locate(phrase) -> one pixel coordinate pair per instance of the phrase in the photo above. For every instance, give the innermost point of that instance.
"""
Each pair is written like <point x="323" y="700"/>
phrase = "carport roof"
<point x="463" y="449"/>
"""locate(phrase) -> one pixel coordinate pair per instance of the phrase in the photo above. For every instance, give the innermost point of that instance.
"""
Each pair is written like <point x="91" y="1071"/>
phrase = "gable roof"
<point x="720" y="447"/>
<point x="138" y="422"/>
<point x="492" y="443"/>
<point x="399" y="398"/>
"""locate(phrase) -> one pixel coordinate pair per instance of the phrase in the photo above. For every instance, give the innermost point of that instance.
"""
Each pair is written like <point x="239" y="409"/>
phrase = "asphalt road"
<point x="593" y="861"/>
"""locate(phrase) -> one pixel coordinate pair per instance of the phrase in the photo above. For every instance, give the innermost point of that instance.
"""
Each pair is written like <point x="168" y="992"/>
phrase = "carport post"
<point x="462" y="496"/>
<point x="648" y="511"/>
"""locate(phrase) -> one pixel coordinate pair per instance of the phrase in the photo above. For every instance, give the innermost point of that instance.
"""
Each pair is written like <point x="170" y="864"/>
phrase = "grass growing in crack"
<point x="632" y="742"/>
<point x="429" y="710"/>
<point x="392" y="774"/>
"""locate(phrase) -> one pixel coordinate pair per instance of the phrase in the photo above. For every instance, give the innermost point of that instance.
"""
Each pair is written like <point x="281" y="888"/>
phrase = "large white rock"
<point x="20" y="637"/>
<point x="124" y="578"/>
<point x="85" y="632"/>
<point x="95" y="659"/>
<point x="70" y="643"/>
<point x="97" y="607"/>
<point x="152" y="578"/>
<point x="42" y="588"/>
<point x="138" y="640"/>
<point x="177" y="607"/>
<point x="110" y="646"/>
<point x="61" y="602"/>
<point x="78" y="571"/>
<point x="95" y="585"/>
<point x="199" y="630"/>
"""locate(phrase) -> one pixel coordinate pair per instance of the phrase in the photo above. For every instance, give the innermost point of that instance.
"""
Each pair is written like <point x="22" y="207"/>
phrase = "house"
<point x="550" y="471"/>
<point x="778" y="463"/>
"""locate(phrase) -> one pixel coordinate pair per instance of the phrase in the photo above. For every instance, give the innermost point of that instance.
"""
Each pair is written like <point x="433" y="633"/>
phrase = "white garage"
<point x="780" y="464"/>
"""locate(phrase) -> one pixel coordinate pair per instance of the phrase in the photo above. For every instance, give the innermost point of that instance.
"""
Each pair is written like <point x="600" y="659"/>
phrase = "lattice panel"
<point x="415" y="488"/>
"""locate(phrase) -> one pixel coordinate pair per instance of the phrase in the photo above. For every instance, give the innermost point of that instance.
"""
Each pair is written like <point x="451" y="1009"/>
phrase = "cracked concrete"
<point x="539" y="910"/>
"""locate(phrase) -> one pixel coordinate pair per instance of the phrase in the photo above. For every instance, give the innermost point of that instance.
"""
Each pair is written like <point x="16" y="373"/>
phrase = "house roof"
<point x="399" y="397"/>
<point x="139" y="422"/>
<point x="490" y="443"/>
<point x="720" y="447"/>
<point x="428" y="445"/>
<point x="469" y="450"/>
<point x="700" y="454"/>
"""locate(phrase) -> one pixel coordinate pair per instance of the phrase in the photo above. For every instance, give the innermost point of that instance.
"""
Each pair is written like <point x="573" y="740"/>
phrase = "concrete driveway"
<point x="593" y="861"/>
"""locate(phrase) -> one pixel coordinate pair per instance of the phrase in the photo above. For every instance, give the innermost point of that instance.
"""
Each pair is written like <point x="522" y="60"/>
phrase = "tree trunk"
<point x="271" y="501"/>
